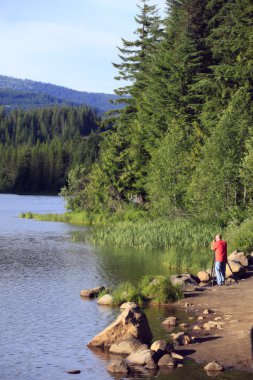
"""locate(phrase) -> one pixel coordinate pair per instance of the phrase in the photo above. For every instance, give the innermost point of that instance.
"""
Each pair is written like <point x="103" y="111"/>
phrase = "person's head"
<point x="218" y="237"/>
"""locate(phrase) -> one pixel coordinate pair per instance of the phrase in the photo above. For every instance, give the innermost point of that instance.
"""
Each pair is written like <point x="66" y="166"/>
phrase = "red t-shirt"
<point x="220" y="248"/>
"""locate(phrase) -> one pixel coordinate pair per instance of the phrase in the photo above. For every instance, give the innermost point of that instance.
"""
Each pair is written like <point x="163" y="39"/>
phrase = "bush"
<point x="241" y="237"/>
<point x="160" y="289"/>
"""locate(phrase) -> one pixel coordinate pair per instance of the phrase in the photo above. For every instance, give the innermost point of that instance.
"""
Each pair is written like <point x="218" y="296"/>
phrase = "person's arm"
<point x="213" y="245"/>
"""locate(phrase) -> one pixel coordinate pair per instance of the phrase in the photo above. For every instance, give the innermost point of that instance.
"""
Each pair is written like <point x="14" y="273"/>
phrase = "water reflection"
<point x="45" y="325"/>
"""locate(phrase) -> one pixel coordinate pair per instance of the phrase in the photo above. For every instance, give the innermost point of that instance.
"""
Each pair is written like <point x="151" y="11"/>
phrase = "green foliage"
<point x="39" y="147"/>
<point x="126" y="292"/>
<point x="160" y="290"/>
<point x="241" y="237"/>
<point x="183" y="259"/>
<point x="156" y="289"/>
<point x="80" y="218"/>
<point x="159" y="233"/>
<point x="216" y="187"/>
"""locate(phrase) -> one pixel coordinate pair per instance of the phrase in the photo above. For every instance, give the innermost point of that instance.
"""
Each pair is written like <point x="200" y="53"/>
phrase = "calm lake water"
<point x="44" y="324"/>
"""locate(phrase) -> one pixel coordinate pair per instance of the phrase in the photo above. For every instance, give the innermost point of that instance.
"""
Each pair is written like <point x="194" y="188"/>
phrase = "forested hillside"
<point x="39" y="147"/>
<point x="17" y="93"/>
<point x="183" y="144"/>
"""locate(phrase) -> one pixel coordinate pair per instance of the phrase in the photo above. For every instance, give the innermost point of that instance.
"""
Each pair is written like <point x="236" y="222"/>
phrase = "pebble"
<point x="73" y="371"/>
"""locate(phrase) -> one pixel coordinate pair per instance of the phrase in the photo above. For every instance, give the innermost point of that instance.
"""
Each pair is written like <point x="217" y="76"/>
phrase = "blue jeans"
<point x="220" y="270"/>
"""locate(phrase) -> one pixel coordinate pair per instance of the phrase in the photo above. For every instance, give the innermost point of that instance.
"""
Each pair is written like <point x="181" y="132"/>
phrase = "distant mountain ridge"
<point x="26" y="93"/>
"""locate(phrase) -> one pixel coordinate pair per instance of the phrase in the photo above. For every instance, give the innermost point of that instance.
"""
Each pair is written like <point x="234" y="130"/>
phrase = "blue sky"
<point x="67" y="42"/>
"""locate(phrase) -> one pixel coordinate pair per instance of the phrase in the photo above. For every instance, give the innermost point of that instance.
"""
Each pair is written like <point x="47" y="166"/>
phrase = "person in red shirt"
<point x="219" y="246"/>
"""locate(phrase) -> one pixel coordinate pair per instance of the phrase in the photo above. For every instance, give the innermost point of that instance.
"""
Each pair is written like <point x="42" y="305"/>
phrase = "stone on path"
<point x="129" y="324"/>
<point x="236" y="268"/>
<point x="207" y="311"/>
<point x="204" y="276"/>
<point x="185" y="279"/>
<point x="181" y="338"/>
<point x="239" y="257"/>
<point x="118" y="366"/>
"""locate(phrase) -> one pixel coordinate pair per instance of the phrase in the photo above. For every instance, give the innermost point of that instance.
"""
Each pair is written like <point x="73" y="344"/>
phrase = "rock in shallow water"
<point x="91" y="293"/>
<point x="118" y="366"/>
<point x="213" y="366"/>
<point x="129" y="324"/>
<point x="126" y="347"/>
<point x="141" y="356"/>
<point x="73" y="372"/>
<point x="106" y="300"/>
<point x="166" y="360"/>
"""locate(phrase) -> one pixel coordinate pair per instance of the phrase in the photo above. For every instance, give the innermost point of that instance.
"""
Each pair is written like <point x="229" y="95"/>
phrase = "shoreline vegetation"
<point x="185" y="242"/>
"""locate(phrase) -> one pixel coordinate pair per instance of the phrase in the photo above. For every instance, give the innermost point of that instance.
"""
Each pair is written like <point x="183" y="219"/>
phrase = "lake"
<point x="45" y="325"/>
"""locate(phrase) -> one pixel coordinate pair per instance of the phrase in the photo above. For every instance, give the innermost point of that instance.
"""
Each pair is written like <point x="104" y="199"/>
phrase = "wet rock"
<point x="237" y="269"/>
<point x="204" y="276"/>
<point x="213" y="366"/>
<point x="141" y="356"/>
<point x="126" y="347"/>
<point x="170" y="321"/>
<point x="118" y="366"/>
<point x="181" y="338"/>
<point x="91" y="293"/>
<point x="185" y="279"/>
<point x="159" y="345"/>
<point x="107" y="299"/>
<point x="151" y="364"/>
<point x="73" y="371"/>
<point x="239" y="257"/>
<point x="129" y="324"/>
<point x="129" y="306"/>
<point x="166" y="360"/>
<point x="177" y="356"/>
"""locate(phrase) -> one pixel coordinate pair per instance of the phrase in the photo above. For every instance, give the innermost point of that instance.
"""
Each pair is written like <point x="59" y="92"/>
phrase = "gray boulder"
<point x="142" y="356"/>
<point x="91" y="293"/>
<point x="166" y="360"/>
<point x="118" y="366"/>
<point x="239" y="257"/>
<point x="126" y="347"/>
<point x="213" y="366"/>
<point x="106" y="299"/>
<point x="129" y="324"/>
<point x="236" y="268"/>
<point x="185" y="279"/>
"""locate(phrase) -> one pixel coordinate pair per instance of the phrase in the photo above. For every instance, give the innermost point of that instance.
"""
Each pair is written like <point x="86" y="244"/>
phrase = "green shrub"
<point x="241" y="237"/>
<point x="126" y="292"/>
<point x="160" y="289"/>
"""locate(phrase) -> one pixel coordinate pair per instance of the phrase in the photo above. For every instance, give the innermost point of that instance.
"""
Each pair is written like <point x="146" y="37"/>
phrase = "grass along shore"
<point x="156" y="289"/>
<point x="185" y="242"/>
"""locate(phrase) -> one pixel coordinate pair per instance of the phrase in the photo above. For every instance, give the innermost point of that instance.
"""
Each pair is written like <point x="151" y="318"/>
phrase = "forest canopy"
<point x="183" y="143"/>
<point x="39" y="147"/>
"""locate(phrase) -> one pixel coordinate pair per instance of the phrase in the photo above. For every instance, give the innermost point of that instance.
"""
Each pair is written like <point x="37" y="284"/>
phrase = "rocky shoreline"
<point x="223" y="325"/>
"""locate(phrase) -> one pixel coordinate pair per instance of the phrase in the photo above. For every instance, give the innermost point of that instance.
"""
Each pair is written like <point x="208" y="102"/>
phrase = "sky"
<point x="71" y="43"/>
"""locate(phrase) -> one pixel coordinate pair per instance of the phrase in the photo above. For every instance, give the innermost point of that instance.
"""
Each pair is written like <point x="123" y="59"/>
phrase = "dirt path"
<point x="232" y="305"/>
